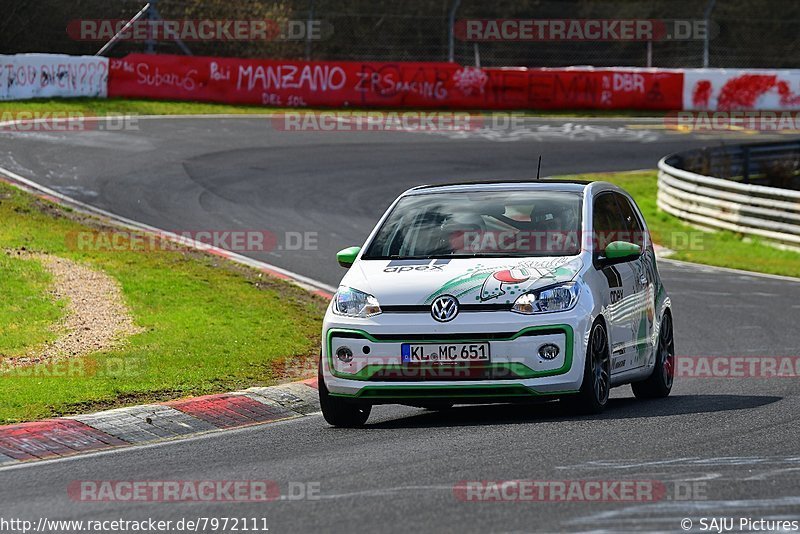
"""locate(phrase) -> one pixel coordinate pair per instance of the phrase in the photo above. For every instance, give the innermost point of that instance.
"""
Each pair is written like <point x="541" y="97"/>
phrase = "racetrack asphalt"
<point x="729" y="445"/>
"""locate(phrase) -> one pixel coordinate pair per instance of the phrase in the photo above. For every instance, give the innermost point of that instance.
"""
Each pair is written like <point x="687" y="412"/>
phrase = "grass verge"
<point x="721" y="249"/>
<point x="209" y="325"/>
<point x="27" y="313"/>
<point x="121" y="106"/>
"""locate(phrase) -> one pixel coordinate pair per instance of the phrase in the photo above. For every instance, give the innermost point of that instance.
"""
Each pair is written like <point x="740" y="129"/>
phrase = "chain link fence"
<point x="745" y="33"/>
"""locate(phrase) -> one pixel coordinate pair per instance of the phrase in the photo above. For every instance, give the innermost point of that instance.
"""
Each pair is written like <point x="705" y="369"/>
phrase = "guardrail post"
<point x="746" y="164"/>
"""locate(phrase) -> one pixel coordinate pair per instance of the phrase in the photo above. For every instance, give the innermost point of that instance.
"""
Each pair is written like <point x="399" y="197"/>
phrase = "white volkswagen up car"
<point x="498" y="292"/>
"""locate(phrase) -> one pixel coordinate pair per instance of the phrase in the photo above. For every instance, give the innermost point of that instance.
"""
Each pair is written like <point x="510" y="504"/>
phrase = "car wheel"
<point x="341" y="412"/>
<point x="659" y="384"/>
<point x="593" y="395"/>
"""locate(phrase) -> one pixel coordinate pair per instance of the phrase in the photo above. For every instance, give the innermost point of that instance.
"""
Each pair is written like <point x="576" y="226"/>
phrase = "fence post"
<point x="308" y="32"/>
<point x="706" y="44"/>
<point x="451" y="39"/>
<point x="113" y="41"/>
<point x="152" y="16"/>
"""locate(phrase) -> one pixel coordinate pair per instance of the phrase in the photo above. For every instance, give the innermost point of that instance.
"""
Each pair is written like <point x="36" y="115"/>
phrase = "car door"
<point x="620" y="290"/>
<point x="643" y="281"/>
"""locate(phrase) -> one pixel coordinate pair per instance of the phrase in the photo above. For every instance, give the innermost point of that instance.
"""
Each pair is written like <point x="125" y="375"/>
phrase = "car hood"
<point x="470" y="280"/>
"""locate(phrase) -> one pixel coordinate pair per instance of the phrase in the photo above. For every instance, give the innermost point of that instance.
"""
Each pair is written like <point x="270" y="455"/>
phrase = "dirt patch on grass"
<point x="96" y="318"/>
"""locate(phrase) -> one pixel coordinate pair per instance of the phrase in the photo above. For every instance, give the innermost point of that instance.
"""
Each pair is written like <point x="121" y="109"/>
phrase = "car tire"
<point x="659" y="383"/>
<point x="592" y="398"/>
<point x="341" y="412"/>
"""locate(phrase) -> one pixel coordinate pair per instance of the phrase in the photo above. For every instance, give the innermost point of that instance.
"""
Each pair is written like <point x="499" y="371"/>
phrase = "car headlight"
<point x="552" y="299"/>
<point x="354" y="303"/>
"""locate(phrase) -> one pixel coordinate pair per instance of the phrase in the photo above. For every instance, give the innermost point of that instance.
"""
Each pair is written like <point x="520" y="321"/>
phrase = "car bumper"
<point x="516" y="372"/>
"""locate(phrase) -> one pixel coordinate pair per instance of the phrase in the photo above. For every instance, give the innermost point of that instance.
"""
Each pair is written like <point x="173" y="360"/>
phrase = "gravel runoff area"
<point x="96" y="318"/>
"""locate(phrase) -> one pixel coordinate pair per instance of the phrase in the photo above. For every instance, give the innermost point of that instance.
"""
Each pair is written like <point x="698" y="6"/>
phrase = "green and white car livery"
<point x="498" y="292"/>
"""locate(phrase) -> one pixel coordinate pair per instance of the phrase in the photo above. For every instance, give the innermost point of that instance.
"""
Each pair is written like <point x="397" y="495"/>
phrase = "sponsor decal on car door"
<point x="643" y="280"/>
<point x="620" y="301"/>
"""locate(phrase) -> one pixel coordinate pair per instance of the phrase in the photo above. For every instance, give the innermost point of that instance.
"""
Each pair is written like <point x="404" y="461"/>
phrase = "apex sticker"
<point x="404" y="266"/>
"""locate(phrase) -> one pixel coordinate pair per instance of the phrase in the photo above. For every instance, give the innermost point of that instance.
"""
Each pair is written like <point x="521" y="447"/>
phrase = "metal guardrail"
<point x="727" y="195"/>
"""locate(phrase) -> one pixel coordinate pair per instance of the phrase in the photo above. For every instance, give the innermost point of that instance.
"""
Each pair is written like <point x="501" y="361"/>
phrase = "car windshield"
<point x="480" y="224"/>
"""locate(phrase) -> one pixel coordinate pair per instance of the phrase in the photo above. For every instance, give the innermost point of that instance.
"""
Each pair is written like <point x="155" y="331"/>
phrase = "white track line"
<point x="210" y="434"/>
<point x="701" y="266"/>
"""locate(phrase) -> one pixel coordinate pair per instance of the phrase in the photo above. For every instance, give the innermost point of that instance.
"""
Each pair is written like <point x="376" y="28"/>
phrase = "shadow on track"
<point x="626" y="408"/>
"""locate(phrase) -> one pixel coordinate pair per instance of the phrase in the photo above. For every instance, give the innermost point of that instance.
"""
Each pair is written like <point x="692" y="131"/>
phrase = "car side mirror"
<point x="619" y="252"/>
<point x="346" y="257"/>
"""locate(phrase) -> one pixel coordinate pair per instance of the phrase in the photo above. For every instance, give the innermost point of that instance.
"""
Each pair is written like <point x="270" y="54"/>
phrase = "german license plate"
<point x="445" y="353"/>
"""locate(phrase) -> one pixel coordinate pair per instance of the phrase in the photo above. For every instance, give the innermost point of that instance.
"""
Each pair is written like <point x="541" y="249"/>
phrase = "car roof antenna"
<point x="539" y="167"/>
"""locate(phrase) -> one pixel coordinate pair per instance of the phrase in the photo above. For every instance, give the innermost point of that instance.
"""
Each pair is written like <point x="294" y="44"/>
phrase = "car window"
<point x="606" y="221"/>
<point x="473" y="224"/>
<point x="633" y="226"/>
